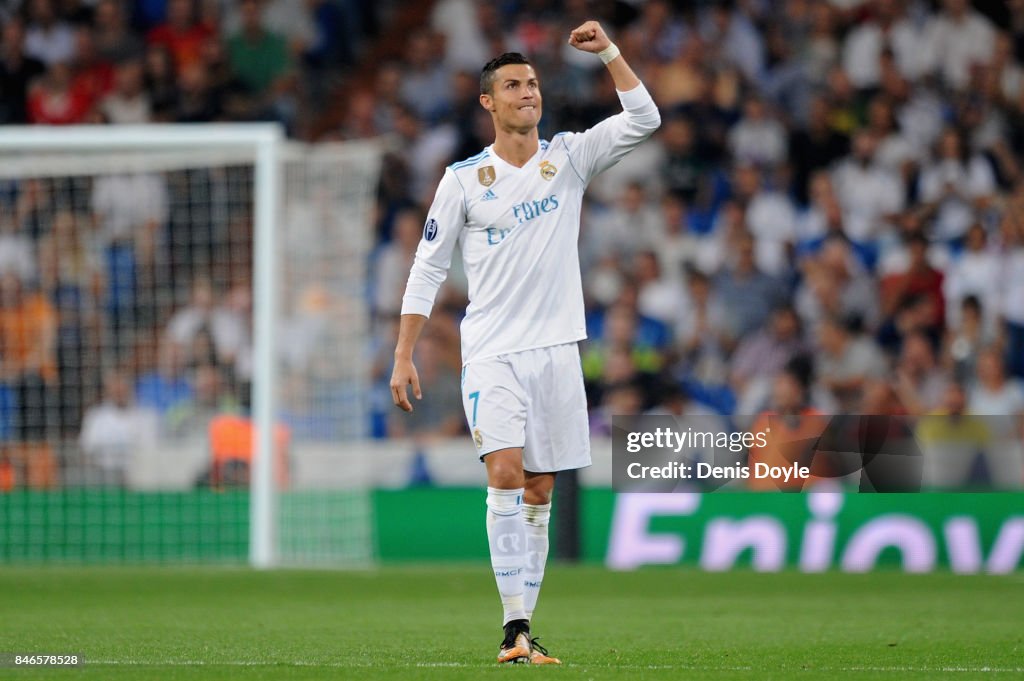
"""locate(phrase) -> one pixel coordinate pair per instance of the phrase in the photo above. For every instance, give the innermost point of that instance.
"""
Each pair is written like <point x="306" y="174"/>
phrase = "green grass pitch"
<point x="440" y="623"/>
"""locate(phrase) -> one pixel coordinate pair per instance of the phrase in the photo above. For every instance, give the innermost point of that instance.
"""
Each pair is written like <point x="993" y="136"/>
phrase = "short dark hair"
<point x="487" y="74"/>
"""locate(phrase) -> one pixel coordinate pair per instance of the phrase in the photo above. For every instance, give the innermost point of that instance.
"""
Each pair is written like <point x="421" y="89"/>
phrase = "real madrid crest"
<point x="478" y="438"/>
<point x="547" y="170"/>
<point x="486" y="175"/>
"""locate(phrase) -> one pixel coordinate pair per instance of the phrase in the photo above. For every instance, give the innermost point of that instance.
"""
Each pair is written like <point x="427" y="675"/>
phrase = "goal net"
<point x="174" y="301"/>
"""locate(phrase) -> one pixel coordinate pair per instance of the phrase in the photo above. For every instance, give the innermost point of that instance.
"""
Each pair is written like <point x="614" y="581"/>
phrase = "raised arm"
<point x="590" y="37"/>
<point x="603" y="145"/>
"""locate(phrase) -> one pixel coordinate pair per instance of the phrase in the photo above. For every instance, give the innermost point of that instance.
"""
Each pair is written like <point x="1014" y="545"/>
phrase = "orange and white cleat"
<point x="516" y="649"/>
<point x="539" y="654"/>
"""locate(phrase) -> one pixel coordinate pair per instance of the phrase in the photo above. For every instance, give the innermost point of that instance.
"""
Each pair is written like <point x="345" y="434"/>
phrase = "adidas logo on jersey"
<point x="489" y="195"/>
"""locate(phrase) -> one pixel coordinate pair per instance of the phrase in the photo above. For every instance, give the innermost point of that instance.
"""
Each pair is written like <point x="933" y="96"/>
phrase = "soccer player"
<point x="515" y="210"/>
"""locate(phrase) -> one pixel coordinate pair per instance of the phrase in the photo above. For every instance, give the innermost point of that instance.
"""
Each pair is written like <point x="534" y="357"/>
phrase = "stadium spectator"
<point x="818" y="43"/>
<point x="189" y="419"/>
<point x="870" y="194"/>
<point x="161" y="378"/>
<point x="682" y="81"/>
<point x="845" y="361"/>
<point x="659" y="296"/>
<point x="955" y="185"/>
<point x="161" y="81"/>
<point x="465" y="44"/>
<point x="115" y="42"/>
<point x="887" y="28"/>
<point x="704" y="336"/>
<point x="920" y="381"/>
<point x="128" y="103"/>
<point x="953" y="441"/>
<point x="879" y="397"/>
<point x="28" y="369"/>
<point x="920" y="281"/>
<point x="116" y="430"/>
<point x="1011" y="278"/>
<point x="623" y="230"/>
<point x="17" y="71"/>
<point x="762" y="355"/>
<point x="970" y="274"/>
<point x="620" y="332"/>
<point x="127" y="204"/>
<point x="747" y="293"/>
<point x="993" y="393"/>
<point x="130" y="210"/>
<point x="71" y="277"/>
<point x="958" y="38"/>
<point x="48" y="38"/>
<point x="1001" y="400"/>
<point x="425" y="151"/>
<point x="660" y="31"/>
<point x="1008" y="73"/>
<point x="618" y="399"/>
<point x="207" y="332"/>
<point x="895" y="152"/>
<point x="93" y="75"/>
<point x="682" y="166"/>
<point x="821" y="217"/>
<point x="758" y="138"/>
<point x="789" y="418"/>
<point x="965" y="340"/>
<point x="394" y="260"/>
<point x="813" y="148"/>
<point x="183" y="34"/>
<point x="424" y="85"/>
<point x="16" y="249"/>
<point x="33" y="209"/>
<point x="54" y="99"/>
<point x="836" y="283"/>
<point x="671" y="399"/>
<point x="735" y="39"/>
<point x="286" y="19"/>
<point x="259" y="57"/>
<point x="197" y="101"/>
<point x="676" y="245"/>
<point x="235" y="101"/>
<point x="769" y="215"/>
<point x="303" y="329"/>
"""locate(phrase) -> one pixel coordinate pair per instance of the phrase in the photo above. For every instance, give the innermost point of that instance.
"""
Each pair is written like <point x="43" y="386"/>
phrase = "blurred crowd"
<point x="176" y="61"/>
<point x="828" y="220"/>
<point x="125" y="304"/>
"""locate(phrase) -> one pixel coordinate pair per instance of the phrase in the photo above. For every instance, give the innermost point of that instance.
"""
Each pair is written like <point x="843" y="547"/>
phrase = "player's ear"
<point x="487" y="102"/>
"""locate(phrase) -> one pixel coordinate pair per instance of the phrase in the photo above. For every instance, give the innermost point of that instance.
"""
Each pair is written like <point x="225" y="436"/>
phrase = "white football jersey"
<point x="518" y="230"/>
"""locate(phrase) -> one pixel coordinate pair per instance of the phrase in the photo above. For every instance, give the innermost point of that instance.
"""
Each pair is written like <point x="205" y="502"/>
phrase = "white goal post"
<point x="263" y="146"/>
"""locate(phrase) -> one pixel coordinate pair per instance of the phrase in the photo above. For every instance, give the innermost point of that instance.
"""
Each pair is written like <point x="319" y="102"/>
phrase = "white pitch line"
<point x="466" y="665"/>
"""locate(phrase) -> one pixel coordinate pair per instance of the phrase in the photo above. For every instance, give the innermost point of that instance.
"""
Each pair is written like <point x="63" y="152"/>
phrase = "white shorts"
<point x="532" y="399"/>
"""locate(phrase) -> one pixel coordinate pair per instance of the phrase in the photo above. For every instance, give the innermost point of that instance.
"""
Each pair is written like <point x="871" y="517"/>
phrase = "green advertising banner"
<point x="965" y="533"/>
<point x="968" y="533"/>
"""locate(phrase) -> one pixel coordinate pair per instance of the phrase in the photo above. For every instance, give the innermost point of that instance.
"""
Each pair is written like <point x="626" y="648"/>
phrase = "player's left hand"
<point x="589" y="37"/>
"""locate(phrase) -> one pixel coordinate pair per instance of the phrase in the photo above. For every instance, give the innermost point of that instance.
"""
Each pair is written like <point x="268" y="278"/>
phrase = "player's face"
<point x="515" y="100"/>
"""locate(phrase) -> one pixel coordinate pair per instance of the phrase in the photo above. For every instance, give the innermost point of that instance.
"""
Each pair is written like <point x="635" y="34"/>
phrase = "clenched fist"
<point x="589" y="37"/>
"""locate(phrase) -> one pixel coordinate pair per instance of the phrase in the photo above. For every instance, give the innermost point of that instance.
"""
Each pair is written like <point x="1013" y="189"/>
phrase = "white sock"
<point x="506" y="535"/>
<point x="536" y="517"/>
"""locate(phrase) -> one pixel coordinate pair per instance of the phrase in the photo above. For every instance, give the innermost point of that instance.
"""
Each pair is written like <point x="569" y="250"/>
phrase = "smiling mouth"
<point x="531" y="107"/>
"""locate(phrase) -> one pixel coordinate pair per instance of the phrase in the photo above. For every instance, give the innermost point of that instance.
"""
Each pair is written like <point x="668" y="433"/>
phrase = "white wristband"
<point x="609" y="53"/>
